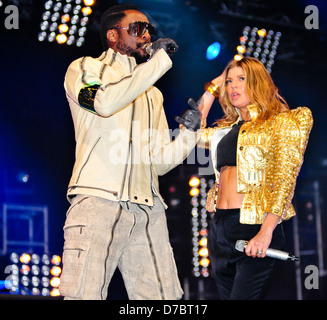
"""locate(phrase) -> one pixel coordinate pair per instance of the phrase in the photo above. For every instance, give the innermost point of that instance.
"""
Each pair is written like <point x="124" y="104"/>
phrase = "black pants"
<point x="237" y="276"/>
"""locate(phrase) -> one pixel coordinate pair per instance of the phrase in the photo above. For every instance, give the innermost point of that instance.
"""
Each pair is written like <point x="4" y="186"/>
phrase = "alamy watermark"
<point x="312" y="20"/>
<point x="312" y="280"/>
<point x="12" y="19"/>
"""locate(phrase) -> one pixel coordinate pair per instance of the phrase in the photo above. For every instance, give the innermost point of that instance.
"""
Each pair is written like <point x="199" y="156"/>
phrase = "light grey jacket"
<point x="124" y="145"/>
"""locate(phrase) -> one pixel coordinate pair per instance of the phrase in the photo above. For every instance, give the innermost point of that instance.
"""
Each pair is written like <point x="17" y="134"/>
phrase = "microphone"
<point x="171" y="48"/>
<point x="240" y="245"/>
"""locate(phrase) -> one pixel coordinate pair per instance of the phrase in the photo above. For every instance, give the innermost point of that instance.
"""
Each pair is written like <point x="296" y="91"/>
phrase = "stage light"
<point x="25" y="269"/>
<point x="65" y="18"/>
<point x="14" y="257"/>
<point x="80" y="41"/>
<point x="200" y="225"/>
<point x="25" y="258"/>
<point x="63" y="28"/>
<point x="45" y="259"/>
<point x="194" y="182"/>
<point x="241" y="49"/>
<point x="32" y="275"/>
<point x="203" y="241"/>
<point x="203" y="252"/>
<point x="44" y="25"/>
<point x="61" y="38"/>
<point x="213" y="51"/>
<point x="204" y="262"/>
<point x="55" y="271"/>
<point x="194" y="192"/>
<point x="45" y="270"/>
<point x="70" y="40"/>
<point x="89" y="3"/>
<point x="51" y="36"/>
<point x="260" y="44"/>
<point x="56" y="260"/>
<point x="35" y="270"/>
<point x="48" y="5"/>
<point x="55" y="292"/>
<point x="86" y="11"/>
<point x="23" y="177"/>
<point x="55" y="282"/>
<point x="62" y="17"/>
<point x="262" y="32"/>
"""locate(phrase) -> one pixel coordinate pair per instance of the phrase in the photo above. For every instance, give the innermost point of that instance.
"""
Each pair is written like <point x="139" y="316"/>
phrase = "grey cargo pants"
<point x="101" y="235"/>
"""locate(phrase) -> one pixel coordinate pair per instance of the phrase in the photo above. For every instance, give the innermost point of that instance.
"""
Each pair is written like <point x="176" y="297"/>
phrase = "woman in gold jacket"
<point x="257" y="151"/>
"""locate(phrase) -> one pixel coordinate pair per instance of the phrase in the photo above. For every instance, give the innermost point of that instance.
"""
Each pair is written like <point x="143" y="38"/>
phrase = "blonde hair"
<point x="260" y="88"/>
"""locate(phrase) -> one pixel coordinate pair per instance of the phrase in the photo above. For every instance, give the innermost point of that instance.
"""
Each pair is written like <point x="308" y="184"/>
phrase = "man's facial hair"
<point x="122" y="47"/>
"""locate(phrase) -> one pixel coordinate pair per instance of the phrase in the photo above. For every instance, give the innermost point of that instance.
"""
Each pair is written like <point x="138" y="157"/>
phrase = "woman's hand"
<point x="259" y="244"/>
<point x="219" y="80"/>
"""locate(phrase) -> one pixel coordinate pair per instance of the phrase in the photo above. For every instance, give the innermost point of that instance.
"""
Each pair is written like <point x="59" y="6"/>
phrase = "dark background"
<point x="36" y="130"/>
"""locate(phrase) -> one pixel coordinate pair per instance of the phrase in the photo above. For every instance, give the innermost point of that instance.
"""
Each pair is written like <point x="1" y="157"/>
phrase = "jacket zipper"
<point x="130" y="151"/>
<point x="150" y="108"/>
<point x="88" y="158"/>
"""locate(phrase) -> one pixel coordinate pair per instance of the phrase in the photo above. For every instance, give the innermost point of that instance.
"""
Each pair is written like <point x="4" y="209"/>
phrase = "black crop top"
<point x="226" y="148"/>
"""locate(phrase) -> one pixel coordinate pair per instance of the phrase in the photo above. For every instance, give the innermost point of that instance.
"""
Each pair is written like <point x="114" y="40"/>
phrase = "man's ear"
<point x="112" y="36"/>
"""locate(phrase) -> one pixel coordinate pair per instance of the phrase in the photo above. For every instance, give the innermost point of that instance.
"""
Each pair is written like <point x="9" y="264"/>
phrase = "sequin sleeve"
<point x="292" y="133"/>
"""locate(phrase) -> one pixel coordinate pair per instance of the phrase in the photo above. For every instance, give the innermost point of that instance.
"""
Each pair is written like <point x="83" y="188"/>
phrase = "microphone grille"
<point x="240" y="245"/>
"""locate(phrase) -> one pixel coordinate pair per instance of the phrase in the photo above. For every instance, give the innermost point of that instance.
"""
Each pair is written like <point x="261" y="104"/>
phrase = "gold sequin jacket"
<point x="269" y="157"/>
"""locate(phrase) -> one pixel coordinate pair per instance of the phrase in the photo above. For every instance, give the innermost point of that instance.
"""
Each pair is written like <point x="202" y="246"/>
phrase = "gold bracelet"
<point x="213" y="89"/>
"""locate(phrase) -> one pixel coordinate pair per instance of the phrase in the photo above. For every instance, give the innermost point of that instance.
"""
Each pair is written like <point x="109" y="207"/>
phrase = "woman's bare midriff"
<point x="228" y="198"/>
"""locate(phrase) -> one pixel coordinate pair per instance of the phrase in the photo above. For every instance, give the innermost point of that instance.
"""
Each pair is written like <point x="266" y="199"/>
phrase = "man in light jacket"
<point x="117" y="215"/>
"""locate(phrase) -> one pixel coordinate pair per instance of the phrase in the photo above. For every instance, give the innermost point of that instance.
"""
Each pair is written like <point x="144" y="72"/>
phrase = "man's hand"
<point x="169" y="45"/>
<point x="191" y="118"/>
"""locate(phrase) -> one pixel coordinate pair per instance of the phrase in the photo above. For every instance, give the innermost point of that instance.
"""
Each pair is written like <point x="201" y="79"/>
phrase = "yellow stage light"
<point x="86" y="11"/>
<point x="63" y="28"/>
<point x="55" y="282"/>
<point x="89" y="2"/>
<point x="203" y="242"/>
<point x="65" y="18"/>
<point x="61" y="38"/>
<point x="194" y="182"/>
<point x="55" y="292"/>
<point x="194" y="192"/>
<point x="56" y="260"/>
<point x="204" y="252"/>
<point x="204" y="262"/>
<point x="241" y="49"/>
<point x="56" y="271"/>
<point x="262" y="33"/>
<point x="25" y="258"/>
<point x="238" y="57"/>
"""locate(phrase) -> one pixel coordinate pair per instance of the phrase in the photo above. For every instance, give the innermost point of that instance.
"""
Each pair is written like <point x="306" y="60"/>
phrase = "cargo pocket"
<point x="75" y="260"/>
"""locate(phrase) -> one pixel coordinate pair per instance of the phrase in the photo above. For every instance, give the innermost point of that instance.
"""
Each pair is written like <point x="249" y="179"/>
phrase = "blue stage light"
<point x="213" y="51"/>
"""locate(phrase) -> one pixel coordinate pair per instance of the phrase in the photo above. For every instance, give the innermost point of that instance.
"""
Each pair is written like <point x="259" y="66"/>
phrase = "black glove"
<point x="191" y="118"/>
<point x="169" y="45"/>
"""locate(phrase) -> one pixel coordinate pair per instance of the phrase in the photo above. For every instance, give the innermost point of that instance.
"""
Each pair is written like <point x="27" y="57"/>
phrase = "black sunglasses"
<point x="138" y="28"/>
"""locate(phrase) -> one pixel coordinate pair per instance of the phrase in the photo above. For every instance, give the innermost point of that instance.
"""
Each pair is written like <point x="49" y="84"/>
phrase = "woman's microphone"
<point x="272" y="253"/>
